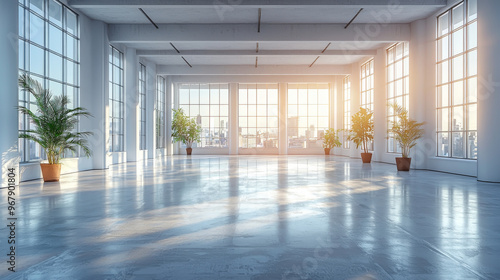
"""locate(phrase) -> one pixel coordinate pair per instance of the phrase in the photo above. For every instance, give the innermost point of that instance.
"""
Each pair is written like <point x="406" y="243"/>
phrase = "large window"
<point x="346" y="85"/>
<point x="116" y="100"/>
<point x="142" y="106"/>
<point x="209" y="104"/>
<point x="367" y="92"/>
<point x="258" y="115"/>
<point x="367" y="85"/>
<point x="457" y="81"/>
<point x="49" y="53"/>
<point x="308" y="114"/>
<point x="160" y="109"/>
<point x="398" y="86"/>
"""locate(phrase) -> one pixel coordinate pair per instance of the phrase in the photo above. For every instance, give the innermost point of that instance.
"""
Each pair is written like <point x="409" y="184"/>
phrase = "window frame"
<point x="142" y="107"/>
<point x="445" y="108"/>
<point x="404" y="95"/>
<point x="245" y="106"/>
<point x="60" y="83"/>
<point x="116" y="102"/>
<point x="346" y="97"/>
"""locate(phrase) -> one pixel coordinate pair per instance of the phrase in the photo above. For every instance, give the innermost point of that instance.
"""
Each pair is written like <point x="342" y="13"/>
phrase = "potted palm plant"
<point x="185" y="130"/>
<point x="331" y="140"/>
<point x="53" y="127"/>
<point x="406" y="132"/>
<point x="361" y="132"/>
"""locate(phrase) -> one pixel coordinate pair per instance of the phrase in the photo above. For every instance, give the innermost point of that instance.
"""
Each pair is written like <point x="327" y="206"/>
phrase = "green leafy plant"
<point x="185" y="129"/>
<point x="331" y="139"/>
<point x="361" y="132"/>
<point x="405" y="130"/>
<point x="53" y="122"/>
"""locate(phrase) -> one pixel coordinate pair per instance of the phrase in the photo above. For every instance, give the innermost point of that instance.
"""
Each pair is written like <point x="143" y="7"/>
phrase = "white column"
<point x="233" y="119"/>
<point x="419" y="97"/>
<point x="94" y="87"/>
<point x="150" y="109"/>
<point x="132" y="109"/>
<point x="379" y="107"/>
<point x="283" y="119"/>
<point x="9" y="94"/>
<point x="355" y="100"/>
<point x="175" y="93"/>
<point x="168" y="118"/>
<point x="488" y="91"/>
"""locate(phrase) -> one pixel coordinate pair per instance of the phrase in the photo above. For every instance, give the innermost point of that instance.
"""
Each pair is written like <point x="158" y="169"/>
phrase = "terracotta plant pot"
<point x="327" y="151"/>
<point x="189" y="151"/>
<point x="51" y="172"/>
<point x="403" y="164"/>
<point x="366" y="157"/>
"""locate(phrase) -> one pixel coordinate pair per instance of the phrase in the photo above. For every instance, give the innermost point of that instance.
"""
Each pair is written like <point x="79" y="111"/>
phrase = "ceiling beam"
<point x="162" y="53"/>
<point x="132" y="33"/>
<point x="251" y="70"/>
<point x="222" y="4"/>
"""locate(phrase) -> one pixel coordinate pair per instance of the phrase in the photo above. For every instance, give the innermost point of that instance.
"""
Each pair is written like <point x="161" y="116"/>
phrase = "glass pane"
<point x="443" y="24"/>
<point x="443" y="96"/>
<point x="292" y="96"/>
<point x="37" y="6"/>
<point x="272" y="96"/>
<point x="458" y="67"/>
<point x="458" y="145"/>
<point x="224" y="96"/>
<point x="214" y="95"/>
<point x="37" y="30"/>
<point x="224" y="110"/>
<point x="443" y="144"/>
<point x="458" y="16"/>
<point x="272" y="110"/>
<point x="443" y="47"/>
<point x="56" y="89"/>
<point x="55" y="67"/>
<point x="443" y="120"/>
<point x="472" y="36"/>
<point x="472" y="90"/>
<point x="204" y="94"/>
<point x="472" y="10"/>
<point x="261" y="96"/>
<point x="458" y="41"/>
<point x="472" y="117"/>
<point x="214" y="110"/>
<point x="55" y="12"/>
<point x="55" y="39"/>
<point x="458" y="118"/>
<point x="472" y="63"/>
<point x="71" y="22"/>
<point x="21" y="21"/>
<point x="442" y="73"/>
<point x="71" y="72"/>
<point x="36" y="60"/>
<point x="472" y="145"/>
<point x="194" y="95"/>
<point x="183" y="95"/>
<point x="458" y="93"/>
<point x="252" y="96"/>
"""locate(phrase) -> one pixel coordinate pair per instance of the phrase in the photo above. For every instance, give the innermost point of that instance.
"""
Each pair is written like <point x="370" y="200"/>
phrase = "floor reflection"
<point x="258" y="217"/>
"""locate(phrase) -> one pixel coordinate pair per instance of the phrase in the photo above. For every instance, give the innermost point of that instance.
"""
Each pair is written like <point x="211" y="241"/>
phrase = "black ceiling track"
<point x="187" y="62"/>
<point x="175" y="48"/>
<point x="148" y="18"/>
<point x="260" y="16"/>
<point x="314" y="62"/>
<point x="324" y="50"/>
<point x="355" y="16"/>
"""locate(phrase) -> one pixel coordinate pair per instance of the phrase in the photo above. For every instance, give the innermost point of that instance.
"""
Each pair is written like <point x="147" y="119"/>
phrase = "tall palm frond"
<point x="54" y="124"/>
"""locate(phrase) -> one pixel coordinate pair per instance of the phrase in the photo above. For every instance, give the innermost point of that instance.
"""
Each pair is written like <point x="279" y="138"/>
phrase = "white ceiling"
<point x="242" y="14"/>
<point x="273" y="12"/>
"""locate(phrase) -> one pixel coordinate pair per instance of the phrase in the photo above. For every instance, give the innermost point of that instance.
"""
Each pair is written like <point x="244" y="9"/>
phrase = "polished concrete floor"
<point x="249" y="217"/>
